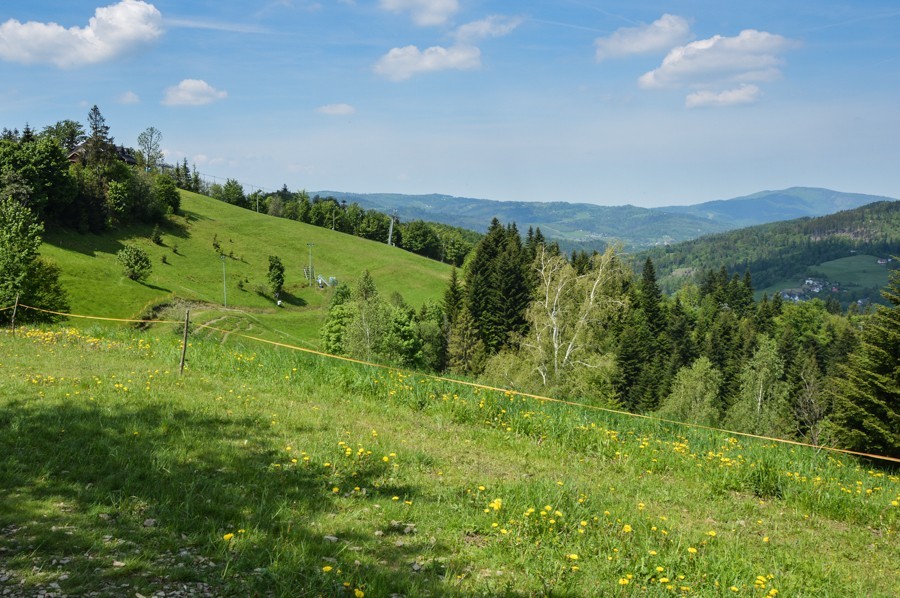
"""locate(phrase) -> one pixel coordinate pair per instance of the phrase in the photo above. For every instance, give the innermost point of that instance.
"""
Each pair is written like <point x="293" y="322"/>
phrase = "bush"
<point x="135" y="262"/>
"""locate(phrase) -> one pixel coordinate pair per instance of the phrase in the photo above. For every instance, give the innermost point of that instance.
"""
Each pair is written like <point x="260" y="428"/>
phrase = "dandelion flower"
<point x="358" y="593"/>
<point x="326" y="568"/>
<point x="228" y="537"/>
<point x="692" y="550"/>
<point x="626" y="528"/>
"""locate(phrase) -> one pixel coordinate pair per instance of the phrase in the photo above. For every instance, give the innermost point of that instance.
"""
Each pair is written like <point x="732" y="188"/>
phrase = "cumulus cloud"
<point x="661" y="35"/>
<point x="745" y="94"/>
<point x="111" y="32"/>
<point x="129" y="97"/>
<point x="336" y="109"/>
<point x="751" y="56"/>
<point x="493" y="26"/>
<point x="424" y="12"/>
<point x="192" y="92"/>
<point x="402" y="63"/>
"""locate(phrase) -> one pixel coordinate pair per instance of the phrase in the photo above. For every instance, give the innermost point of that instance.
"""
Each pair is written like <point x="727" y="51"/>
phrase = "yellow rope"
<point x="486" y="387"/>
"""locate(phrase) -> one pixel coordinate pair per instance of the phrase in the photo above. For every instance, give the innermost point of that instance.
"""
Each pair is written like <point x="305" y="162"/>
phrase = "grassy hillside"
<point x="264" y="472"/>
<point x="193" y="270"/>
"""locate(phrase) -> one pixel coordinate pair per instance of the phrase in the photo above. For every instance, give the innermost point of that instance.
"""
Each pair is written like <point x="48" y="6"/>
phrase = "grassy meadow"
<point x="264" y="471"/>
<point x="187" y="267"/>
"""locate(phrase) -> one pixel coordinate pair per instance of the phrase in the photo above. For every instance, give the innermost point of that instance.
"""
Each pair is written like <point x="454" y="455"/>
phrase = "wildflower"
<point x="663" y="580"/>
<point x="326" y="568"/>
<point x="228" y="537"/>
<point x="623" y="581"/>
<point x="572" y="557"/>
<point x="711" y="534"/>
<point x="626" y="528"/>
<point x="358" y="593"/>
<point x="692" y="550"/>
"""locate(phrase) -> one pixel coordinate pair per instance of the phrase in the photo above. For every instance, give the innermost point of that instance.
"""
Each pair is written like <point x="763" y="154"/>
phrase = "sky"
<point x="637" y="102"/>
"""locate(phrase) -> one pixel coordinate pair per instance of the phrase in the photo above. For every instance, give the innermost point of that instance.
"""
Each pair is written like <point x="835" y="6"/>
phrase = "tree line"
<point x="523" y="315"/>
<point x="69" y="175"/>
<point x="75" y="176"/>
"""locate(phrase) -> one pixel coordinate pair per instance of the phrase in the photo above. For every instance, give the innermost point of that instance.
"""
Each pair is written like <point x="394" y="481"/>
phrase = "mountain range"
<point x="583" y="225"/>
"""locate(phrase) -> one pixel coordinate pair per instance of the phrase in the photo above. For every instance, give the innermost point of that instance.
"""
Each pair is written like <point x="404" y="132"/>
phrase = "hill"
<point x="781" y="255"/>
<point x="774" y="206"/>
<point x="271" y="473"/>
<point x="586" y="226"/>
<point x="188" y="267"/>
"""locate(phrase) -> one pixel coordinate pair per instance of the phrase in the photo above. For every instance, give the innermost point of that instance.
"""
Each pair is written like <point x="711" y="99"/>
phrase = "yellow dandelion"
<point x="692" y="550"/>
<point x="326" y="568"/>
<point x="626" y="528"/>
<point x="358" y="593"/>
<point x="227" y="537"/>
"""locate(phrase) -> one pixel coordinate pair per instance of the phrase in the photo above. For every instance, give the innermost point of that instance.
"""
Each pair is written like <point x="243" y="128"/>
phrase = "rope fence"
<point x="445" y="379"/>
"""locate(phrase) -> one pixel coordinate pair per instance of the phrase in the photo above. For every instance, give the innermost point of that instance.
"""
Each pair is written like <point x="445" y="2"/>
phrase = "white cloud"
<point x="751" y="56"/>
<point x="336" y="109"/>
<point x="745" y="94"/>
<point x="192" y="92"/>
<point x="661" y="35"/>
<point x="493" y="26"/>
<point x="112" y="31"/>
<point x="402" y="63"/>
<point x="129" y="97"/>
<point x="424" y="12"/>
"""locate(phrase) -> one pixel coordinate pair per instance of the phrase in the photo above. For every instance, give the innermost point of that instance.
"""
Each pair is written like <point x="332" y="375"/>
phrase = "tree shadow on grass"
<point x="150" y="496"/>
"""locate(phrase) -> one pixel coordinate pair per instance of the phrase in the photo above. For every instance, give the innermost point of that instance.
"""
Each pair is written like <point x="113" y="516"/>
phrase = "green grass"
<point x="856" y="271"/>
<point x="268" y="472"/>
<point x="97" y="287"/>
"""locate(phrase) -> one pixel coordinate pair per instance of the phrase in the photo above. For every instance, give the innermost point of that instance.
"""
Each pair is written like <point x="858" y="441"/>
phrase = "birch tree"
<point x="568" y="312"/>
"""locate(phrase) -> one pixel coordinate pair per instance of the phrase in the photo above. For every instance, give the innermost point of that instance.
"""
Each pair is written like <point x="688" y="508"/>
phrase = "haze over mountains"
<point x="589" y="224"/>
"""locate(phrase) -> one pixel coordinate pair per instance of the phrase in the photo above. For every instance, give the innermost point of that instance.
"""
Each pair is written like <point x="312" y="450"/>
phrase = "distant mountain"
<point x="774" y="206"/>
<point x="591" y="226"/>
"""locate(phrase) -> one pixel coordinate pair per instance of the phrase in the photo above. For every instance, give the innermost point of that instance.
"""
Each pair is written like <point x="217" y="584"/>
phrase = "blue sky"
<point x="641" y="102"/>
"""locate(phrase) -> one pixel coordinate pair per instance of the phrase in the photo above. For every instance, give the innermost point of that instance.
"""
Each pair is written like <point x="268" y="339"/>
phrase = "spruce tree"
<point x="867" y="394"/>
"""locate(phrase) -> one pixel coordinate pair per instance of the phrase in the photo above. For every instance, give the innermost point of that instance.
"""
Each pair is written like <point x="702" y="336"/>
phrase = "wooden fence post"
<point x="15" y="309"/>
<point x="187" y="318"/>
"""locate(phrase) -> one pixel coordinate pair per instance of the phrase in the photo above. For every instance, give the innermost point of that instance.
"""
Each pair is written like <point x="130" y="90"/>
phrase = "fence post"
<point x="187" y="318"/>
<point x="15" y="309"/>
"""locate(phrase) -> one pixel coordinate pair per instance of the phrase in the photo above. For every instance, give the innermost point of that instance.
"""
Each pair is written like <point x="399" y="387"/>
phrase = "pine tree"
<point x="482" y="294"/>
<point x="453" y="297"/>
<point x="867" y="395"/>
<point x="465" y="350"/>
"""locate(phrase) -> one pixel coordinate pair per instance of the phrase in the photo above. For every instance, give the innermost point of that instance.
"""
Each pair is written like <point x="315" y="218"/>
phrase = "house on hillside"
<point x="78" y="153"/>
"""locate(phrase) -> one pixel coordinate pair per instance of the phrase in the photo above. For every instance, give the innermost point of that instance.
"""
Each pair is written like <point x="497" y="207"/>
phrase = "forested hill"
<point x="783" y="250"/>
<point x="574" y="225"/>
<point x="774" y="206"/>
<point x="590" y="226"/>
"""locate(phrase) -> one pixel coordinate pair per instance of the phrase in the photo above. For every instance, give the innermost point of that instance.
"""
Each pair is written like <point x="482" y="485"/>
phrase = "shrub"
<point x="135" y="262"/>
